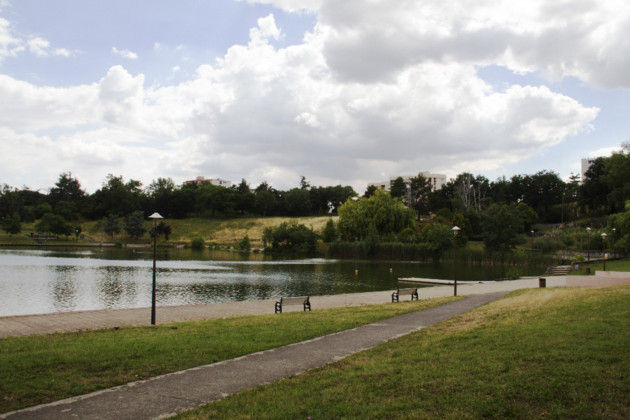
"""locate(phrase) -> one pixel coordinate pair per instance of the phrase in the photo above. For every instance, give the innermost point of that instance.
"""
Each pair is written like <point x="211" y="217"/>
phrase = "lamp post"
<point x="604" y="246"/>
<point x="588" y="247"/>
<point x="155" y="216"/>
<point x="455" y="232"/>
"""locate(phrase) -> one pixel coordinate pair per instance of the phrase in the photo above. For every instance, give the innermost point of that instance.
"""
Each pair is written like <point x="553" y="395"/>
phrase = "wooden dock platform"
<point x="440" y="282"/>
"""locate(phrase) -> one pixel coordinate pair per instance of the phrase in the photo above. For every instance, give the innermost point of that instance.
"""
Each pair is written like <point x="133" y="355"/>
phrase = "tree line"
<point x="66" y="201"/>
<point x="500" y="213"/>
<point x="539" y="198"/>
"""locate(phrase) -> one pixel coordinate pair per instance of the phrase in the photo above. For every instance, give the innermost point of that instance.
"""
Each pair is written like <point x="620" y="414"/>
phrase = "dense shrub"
<point x="290" y="238"/>
<point x="244" y="244"/>
<point x="197" y="243"/>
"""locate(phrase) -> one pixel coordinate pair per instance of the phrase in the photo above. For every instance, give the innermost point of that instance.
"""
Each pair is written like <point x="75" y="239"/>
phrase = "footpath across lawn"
<point x="551" y="353"/>
<point x="46" y="368"/>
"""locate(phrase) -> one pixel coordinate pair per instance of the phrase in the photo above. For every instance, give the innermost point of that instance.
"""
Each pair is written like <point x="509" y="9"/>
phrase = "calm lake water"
<point x="44" y="281"/>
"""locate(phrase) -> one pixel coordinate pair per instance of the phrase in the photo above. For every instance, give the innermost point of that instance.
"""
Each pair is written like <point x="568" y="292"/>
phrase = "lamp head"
<point x="156" y="216"/>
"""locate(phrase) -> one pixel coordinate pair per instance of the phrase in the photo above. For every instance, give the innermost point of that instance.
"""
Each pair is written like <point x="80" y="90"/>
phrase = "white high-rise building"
<point x="437" y="181"/>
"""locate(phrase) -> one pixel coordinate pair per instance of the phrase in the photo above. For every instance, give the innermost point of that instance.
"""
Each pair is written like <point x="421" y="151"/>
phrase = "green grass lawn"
<point x="558" y="353"/>
<point x="550" y="353"/>
<point x="45" y="368"/>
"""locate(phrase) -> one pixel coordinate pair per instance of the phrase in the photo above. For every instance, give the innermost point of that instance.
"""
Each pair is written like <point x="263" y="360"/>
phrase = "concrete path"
<point x="75" y="321"/>
<point x="172" y="393"/>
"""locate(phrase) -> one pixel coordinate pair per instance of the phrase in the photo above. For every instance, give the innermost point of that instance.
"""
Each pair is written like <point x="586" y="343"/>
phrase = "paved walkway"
<point x="75" y="321"/>
<point x="169" y="394"/>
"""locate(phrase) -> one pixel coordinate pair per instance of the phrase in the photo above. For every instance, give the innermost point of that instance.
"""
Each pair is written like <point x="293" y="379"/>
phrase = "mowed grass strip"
<point x="45" y="368"/>
<point x="551" y="353"/>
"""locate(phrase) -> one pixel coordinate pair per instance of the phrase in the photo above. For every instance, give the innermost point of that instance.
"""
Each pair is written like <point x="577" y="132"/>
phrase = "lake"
<point x="36" y="281"/>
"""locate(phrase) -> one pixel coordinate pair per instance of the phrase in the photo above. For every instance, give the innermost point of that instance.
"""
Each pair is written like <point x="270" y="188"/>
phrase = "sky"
<point x="340" y="92"/>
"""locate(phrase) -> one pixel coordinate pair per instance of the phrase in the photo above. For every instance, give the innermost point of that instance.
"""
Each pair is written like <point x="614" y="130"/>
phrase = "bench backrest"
<point x="294" y="300"/>
<point x="410" y="291"/>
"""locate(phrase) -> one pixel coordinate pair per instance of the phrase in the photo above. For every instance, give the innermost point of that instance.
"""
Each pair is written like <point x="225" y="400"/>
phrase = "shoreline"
<point x="21" y="325"/>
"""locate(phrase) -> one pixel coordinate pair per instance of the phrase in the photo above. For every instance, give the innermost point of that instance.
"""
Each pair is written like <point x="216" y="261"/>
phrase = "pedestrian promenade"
<point x="110" y="318"/>
<point x="170" y="394"/>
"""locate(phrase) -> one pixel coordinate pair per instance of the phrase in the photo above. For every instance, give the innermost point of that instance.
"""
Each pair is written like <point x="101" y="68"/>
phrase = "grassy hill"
<point x="230" y="231"/>
<point x="217" y="231"/>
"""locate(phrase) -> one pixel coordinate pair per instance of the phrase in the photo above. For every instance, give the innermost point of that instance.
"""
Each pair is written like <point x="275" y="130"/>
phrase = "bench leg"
<point x="278" y="307"/>
<point x="414" y="295"/>
<point x="307" y="306"/>
<point x="394" y="297"/>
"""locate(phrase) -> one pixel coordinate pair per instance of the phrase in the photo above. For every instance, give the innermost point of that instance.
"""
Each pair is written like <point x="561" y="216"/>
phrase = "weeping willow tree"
<point x="380" y="213"/>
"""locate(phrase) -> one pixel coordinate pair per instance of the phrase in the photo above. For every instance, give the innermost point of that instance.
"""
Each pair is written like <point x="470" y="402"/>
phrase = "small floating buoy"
<point x="356" y="272"/>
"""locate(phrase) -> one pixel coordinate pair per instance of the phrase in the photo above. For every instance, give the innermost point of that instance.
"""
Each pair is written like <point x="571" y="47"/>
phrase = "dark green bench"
<point x="302" y="300"/>
<point x="413" y="291"/>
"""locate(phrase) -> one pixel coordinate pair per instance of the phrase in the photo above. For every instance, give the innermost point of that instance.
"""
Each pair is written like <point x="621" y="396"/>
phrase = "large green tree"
<point x="111" y="225"/>
<point x="502" y="227"/>
<point x="118" y="197"/>
<point x="243" y="198"/>
<point x="297" y="202"/>
<point x="593" y="193"/>
<point x="55" y="224"/>
<point x="134" y="224"/>
<point x="160" y="194"/>
<point x="617" y="178"/>
<point x="214" y="200"/>
<point x="291" y="238"/>
<point x="12" y="224"/>
<point x="420" y="189"/>
<point x="265" y="200"/>
<point x="386" y="214"/>
<point x="399" y="189"/>
<point x="67" y="188"/>
<point x="326" y="200"/>
<point x="329" y="234"/>
<point x="438" y="237"/>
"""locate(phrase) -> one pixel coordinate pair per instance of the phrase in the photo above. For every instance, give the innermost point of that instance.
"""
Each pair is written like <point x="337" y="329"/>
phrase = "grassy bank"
<point x="38" y="369"/>
<point x="230" y="231"/>
<point x="217" y="231"/>
<point x="553" y="353"/>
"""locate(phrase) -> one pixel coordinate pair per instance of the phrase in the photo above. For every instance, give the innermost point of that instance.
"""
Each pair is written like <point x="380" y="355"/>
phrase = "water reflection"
<point x="40" y="281"/>
<point x="114" y="287"/>
<point x="64" y="289"/>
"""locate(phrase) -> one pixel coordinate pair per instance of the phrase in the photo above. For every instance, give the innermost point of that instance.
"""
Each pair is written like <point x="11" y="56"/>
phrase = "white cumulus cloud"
<point x="377" y="88"/>
<point x="125" y="53"/>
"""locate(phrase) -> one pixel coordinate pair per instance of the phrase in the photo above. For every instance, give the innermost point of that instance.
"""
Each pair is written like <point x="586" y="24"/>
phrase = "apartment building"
<point x="437" y="181"/>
